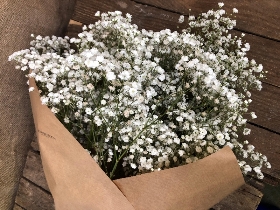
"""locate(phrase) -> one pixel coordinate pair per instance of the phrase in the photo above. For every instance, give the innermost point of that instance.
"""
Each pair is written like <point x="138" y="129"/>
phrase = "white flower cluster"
<point x="141" y="100"/>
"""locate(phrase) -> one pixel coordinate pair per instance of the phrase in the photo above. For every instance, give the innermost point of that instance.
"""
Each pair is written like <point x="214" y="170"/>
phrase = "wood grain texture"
<point x="31" y="197"/>
<point x="256" y="183"/>
<point x="17" y="207"/>
<point x="266" y="52"/>
<point x="263" y="50"/>
<point x="267" y="143"/>
<point x="144" y="16"/>
<point x="73" y="30"/>
<point x="266" y="105"/>
<point x="33" y="170"/>
<point x="245" y="198"/>
<point x="258" y="16"/>
<point x="34" y="144"/>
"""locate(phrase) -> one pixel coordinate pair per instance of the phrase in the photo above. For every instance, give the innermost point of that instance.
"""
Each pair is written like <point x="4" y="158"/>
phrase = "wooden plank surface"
<point x="266" y="105"/>
<point x="144" y="16"/>
<point x="245" y="198"/>
<point x="33" y="170"/>
<point x="257" y="16"/>
<point x="264" y="51"/>
<point x="31" y="197"/>
<point x="17" y="207"/>
<point x="267" y="143"/>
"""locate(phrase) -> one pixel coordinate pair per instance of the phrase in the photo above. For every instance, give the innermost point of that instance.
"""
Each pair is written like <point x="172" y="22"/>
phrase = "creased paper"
<point x="76" y="181"/>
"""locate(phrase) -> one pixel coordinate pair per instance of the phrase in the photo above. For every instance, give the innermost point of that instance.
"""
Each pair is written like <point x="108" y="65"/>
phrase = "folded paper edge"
<point x="205" y="190"/>
<point x="127" y="196"/>
<point x="74" y="178"/>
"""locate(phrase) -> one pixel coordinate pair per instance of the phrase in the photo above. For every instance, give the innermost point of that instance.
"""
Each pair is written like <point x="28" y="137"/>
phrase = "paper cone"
<point x="77" y="182"/>
<point x="74" y="178"/>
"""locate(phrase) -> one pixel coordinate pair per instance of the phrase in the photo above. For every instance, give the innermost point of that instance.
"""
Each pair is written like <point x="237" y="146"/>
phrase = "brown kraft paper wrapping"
<point x="76" y="181"/>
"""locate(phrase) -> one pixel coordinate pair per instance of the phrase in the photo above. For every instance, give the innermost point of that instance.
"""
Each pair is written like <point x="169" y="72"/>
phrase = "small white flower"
<point x="161" y="77"/>
<point x="221" y="4"/>
<point x="132" y="92"/>
<point x="125" y="138"/>
<point x="153" y="107"/>
<point x="259" y="68"/>
<point x="181" y="152"/>
<point x="260" y="175"/>
<point x="39" y="37"/>
<point x="133" y="165"/>
<point x="181" y="19"/>
<point x="247" y="168"/>
<point x="50" y="87"/>
<point x="87" y="151"/>
<point x="88" y="111"/>
<point x="177" y="140"/>
<point x="99" y="58"/>
<point x="54" y="110"/>
<point x="110" y="75"/>
<point x="230" y="145"/>
<point x="220" y="136"/>
<point x="188" y="160"/>
<point x="24" y="61"/>
<point x="103" y="102"/>
<point x="125" y="75"/>
<point x="95" y="158"/>
<point x="91" y="63"/>
<point x="253" y="115"/>
<point x="210" y="149"/>
<point x="250" y="148"/>
<point x="246" y="131"/>
<point x="179" y="119"/>
<point x="198" y="149"/>
<point x="167" y="163"/>
<point x="66" y="120"/>
<point x="222" y="142"/>
<point x="234" y="10"/>
<point x="254" y="157"/>
<point x="257" y="169"/>
<point x="268" y="165"/>
<point x="97" y="121"/>
<point x="126" y="113"/>
<point x="44" y="100"/>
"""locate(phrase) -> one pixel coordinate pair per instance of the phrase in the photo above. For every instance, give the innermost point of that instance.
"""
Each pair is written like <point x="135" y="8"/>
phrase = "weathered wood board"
<point x="263" y="50"/>
<point x="257" y="17"/>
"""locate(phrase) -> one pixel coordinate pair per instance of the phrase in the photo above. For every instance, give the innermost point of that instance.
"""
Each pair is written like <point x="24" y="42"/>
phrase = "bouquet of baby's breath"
<point x="140" y="100"/>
